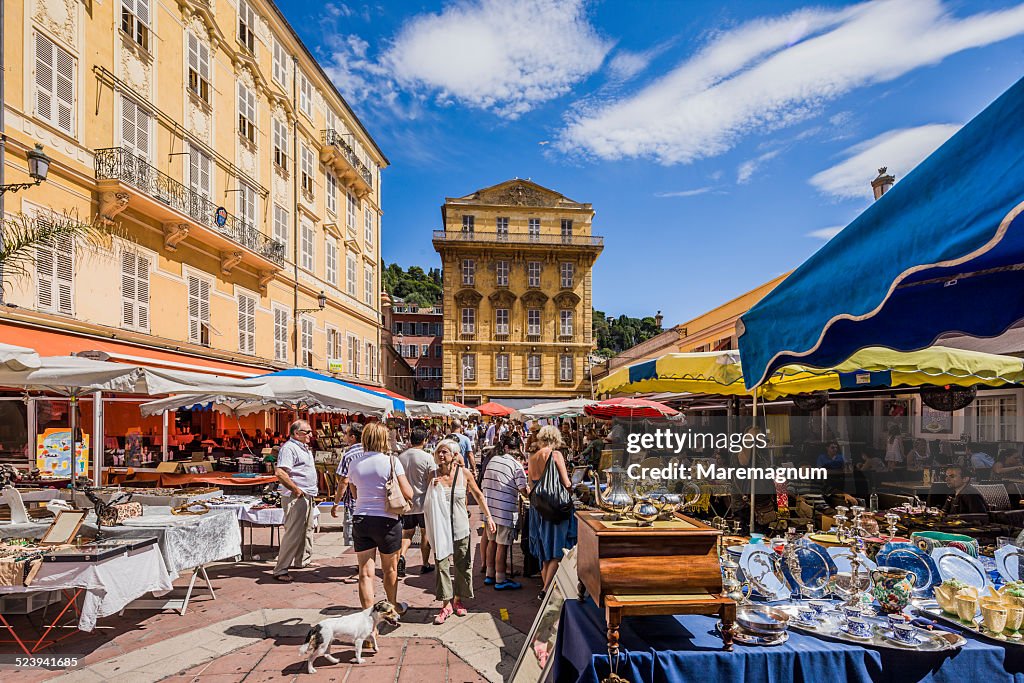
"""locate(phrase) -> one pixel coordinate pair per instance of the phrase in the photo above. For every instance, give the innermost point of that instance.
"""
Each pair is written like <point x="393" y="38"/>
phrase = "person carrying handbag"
<point x="447" y="517"/>
<point x="552" y="520"/>
<point x="381" y="491"/>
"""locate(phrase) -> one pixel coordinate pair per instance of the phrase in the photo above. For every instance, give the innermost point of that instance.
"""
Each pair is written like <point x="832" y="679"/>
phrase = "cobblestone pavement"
<point x="252" y="630"/>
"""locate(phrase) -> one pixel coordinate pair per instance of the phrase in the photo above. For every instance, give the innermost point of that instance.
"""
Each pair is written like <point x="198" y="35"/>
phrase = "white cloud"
<point x="826" y="233"/>
<point x="900" y="150"/>
<point x="770" y="73"/>
<point x="624" y="64"/>
<point x="499" y="55"/>
<point x="685" y="193"/>
<point x="747" y="168"/>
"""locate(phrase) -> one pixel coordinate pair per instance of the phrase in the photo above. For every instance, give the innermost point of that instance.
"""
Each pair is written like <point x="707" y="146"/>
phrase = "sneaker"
<point x="460" y="609"/>
<point x="488" y="580"/>
<point x="445" y="612"/>
<point x="401" y="567"/>
<point x="540" y="596"/>
<point x="507" y="585"/>
<point x="402" y="607"/>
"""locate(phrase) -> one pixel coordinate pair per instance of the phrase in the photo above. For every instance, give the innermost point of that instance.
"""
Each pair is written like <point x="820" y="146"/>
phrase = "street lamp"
<point x="321" y="301"/>
<point x="38" y="167"/>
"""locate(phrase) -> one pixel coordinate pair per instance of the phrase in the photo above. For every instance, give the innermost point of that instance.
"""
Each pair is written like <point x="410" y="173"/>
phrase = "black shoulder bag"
<point x="551" y="500"/>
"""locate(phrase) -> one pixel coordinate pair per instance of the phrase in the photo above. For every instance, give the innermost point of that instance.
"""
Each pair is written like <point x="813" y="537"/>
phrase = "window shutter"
<point x="64" y="88"/>
<point x="128" y="129"/>
<point x="142" y="11"/>
<point x="142" y="292"/>
<point x="44" y="273"/>
<point x="129" y="295"/>
<point x="193" y="310"/>
<point x="64" y="268"/>
<point x="44" y="78"/>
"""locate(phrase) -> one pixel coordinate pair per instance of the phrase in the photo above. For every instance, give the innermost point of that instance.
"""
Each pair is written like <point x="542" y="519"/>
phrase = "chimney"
<point x="658" y="319"/>
<point x="883" y="183"/>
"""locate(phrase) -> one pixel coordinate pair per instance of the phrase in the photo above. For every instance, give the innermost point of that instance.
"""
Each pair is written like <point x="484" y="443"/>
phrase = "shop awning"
<point x="54" y="343"/>
<point x="941" y="252"/>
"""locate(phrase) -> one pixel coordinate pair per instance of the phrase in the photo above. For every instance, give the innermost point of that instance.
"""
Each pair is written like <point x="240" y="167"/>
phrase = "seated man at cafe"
<point x="965" y="499"/>
<point x="832" y="458"/>
<point x="980" y="460"/>
<point x="1008" y="464"/>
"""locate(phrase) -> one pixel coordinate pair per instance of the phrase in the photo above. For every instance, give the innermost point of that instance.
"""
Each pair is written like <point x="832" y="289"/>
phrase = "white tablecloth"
<point x="242" y="508"/>
<point x="40" y="496"/>
<point x="186" y="541"/>
<point x="109" y="585"/>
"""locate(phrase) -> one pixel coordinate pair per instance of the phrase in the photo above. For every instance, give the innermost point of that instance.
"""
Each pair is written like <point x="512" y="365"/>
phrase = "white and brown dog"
<point x="358" y="628"/>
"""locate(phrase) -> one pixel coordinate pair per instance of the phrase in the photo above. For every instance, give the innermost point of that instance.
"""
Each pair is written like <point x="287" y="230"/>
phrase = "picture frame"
<point x="64" y="527"/>
<point x="536" y="661"/>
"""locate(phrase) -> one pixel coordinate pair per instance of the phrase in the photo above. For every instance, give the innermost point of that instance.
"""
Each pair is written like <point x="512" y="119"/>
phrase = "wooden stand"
<point x="671" y="567"/>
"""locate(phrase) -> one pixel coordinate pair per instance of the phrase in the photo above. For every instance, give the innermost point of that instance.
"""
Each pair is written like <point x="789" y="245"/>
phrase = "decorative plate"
<point x="910" y="557"/>
<point x="1008" y="562"/>
<point x="954" y="563"/>
<point x="812" y="571"/>
<point x="760" y="564"/>
<point x="841" y="556"/>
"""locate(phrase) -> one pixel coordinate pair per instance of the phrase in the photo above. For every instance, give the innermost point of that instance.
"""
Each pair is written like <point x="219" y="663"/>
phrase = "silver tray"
<point x="830" y="629"/>
<point x="745" y="637"/>
<point x="931" y="609"/>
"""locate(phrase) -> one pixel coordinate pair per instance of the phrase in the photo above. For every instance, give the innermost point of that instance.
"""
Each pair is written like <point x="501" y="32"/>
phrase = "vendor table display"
<point x="687" y="648"/>
<point x="665" y="567"/>
<point x="147" y="496"/>
<point x="108" y="585"/>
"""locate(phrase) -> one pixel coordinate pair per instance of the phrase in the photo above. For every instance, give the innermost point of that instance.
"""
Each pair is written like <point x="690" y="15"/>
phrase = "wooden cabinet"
<point x="671" y="567"/>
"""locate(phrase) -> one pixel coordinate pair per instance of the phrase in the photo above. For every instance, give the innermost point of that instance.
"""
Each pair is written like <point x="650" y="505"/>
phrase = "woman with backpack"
<point x="549" y="538"/>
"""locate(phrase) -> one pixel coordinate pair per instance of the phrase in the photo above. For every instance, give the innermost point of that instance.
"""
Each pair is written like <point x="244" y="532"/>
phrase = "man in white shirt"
<point x="297" y="473"/>
<point x="420" y="470"/>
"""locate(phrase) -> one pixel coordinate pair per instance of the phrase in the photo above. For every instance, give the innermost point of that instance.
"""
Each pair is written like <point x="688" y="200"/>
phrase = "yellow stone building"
<point x="517" y="260"/>
<point x="206" y="133"/>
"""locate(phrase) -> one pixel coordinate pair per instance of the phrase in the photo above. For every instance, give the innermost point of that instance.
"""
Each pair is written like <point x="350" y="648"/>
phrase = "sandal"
<point x="284" y="578"/>
<point x="460" y="609"/>
<point x="445" y="612"/>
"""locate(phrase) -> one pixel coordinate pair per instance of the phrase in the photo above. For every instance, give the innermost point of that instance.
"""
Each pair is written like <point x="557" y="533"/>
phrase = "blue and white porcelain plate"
<point x="908" y="556"/>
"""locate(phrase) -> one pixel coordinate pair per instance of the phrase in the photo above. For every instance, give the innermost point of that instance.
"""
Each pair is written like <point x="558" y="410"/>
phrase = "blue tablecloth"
<point x="686" y="648"/>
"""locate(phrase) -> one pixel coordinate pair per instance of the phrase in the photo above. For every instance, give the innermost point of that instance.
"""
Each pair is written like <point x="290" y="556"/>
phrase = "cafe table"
<point x="687" y="648"/>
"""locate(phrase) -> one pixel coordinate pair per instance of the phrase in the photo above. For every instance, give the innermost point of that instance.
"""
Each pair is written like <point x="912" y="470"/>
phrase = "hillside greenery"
<point x="424" y="288"/>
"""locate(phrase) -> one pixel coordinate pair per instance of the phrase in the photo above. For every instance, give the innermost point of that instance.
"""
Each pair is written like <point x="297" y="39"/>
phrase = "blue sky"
<point x="720" y="143"/>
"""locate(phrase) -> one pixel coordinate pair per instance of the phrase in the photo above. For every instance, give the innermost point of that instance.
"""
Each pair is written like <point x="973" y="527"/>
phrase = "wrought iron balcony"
<point x="517" y="238"/>
<point x="121" y="165"/>
<point x="335" y="139"/>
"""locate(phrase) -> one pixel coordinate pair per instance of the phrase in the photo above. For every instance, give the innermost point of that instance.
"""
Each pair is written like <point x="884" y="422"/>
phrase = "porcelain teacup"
<point x="820" y="606"/>
<point x="994" y="617"/>
<point x="859" y="627"/>
<point x="966" y="607"/>
<point x="1014" y="617"/>
<point x="896" y="620"/>
<point x="904" y="632"/>
<point x="852" y="611"/>
<point x="807" y="615"/>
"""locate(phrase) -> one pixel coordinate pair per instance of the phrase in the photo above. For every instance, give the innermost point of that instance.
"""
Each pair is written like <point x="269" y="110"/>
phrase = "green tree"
<point x="414" y="285"/>
<point x="621" y="333"/>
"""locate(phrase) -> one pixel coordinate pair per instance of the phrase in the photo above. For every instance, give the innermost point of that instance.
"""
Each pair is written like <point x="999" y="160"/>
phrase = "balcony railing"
<point x="516" y="238"/>
<point x="336" y="139"/>
<point x="119" y="164"/>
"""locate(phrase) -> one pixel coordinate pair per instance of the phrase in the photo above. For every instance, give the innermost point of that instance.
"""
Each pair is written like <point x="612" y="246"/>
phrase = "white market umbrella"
<point x="571" y="408"/>
<point x="73" y="376"/>
<point x="18" y="357"/>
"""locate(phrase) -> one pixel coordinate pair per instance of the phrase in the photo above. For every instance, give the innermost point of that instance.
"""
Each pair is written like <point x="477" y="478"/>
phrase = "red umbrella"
<point x="492" y="409"/>
<point x="629" y="407"/>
